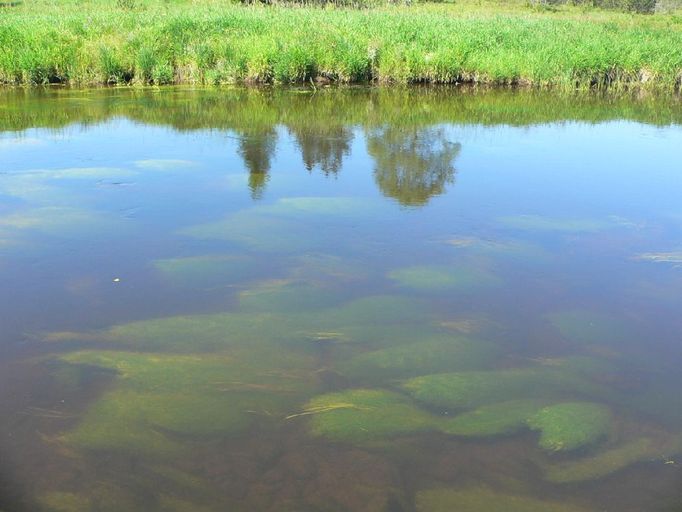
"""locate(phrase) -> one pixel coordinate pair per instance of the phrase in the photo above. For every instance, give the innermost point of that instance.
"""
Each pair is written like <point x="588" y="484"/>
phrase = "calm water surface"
<point x="422" y="300"/>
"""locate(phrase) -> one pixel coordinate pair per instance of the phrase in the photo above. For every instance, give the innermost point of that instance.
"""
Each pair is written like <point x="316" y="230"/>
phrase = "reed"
<point x="211" y="42"/>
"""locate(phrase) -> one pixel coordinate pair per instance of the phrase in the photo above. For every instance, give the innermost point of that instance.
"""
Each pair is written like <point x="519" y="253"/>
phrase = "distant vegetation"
<point x="211" y="42"/>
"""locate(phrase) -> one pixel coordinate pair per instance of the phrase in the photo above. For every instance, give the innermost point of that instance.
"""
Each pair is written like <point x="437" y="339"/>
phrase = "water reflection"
<point x="412" y="165"/>
<point x="257" y="148"/>
<point x="323" y="146"/>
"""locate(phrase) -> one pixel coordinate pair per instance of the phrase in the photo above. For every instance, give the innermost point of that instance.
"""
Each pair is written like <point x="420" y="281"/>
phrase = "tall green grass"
<point x="216" y="43"/>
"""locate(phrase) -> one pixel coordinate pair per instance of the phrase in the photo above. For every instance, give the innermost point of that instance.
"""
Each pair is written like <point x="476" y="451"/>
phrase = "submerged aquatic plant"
<point x="158" y="395"/>
<point x="495" y="419"/>
<point x="363" y="414"/>
<point x="159" y="164"/>
<point x="480" y="499"/>
<point x="437" y="278"/>
<point x="291" y="224"/>
<point x="284" y="295"/>
<point x="101" y="497"/>
<point x="360" y="415"/>
<point x="558" y="225"/>
<point x="254" y="334"/>
<point x="613" y="459"/>
<point x="571" y="425"/>
<point x="422" y="356"/>
<point x="208" y="270"/>
<point x="466" y="390"/>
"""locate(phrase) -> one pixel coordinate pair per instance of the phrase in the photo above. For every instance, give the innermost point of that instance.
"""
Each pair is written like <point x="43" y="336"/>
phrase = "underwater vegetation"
<point x="289" y="225"/>
<point x="161" y="164"/>
<point x="439" y="278"/>
<point x="518" y="250"/>
<point x="55" y="221"/>
<point x="104" y="498"/>
<point x="254" y="334"/>
<point x="287" y="295"/>
<point x="496" y="419"/>
<point x="428" y="355"/>
<point x="213" y="375"/>
<point x="569" y="426"/>
<point x="360" y="415"/>
<point x="258" y="231"/>
<point x="156" y="397"/>
<point x="612" y="459"/>
<point x="364" y="414"/>
<point x="65" y="502"/>
<point x="478" y="499"/>
<point x="557" y="225"/>
<point x="465" y="390"/>
<point x="208" y="270"/>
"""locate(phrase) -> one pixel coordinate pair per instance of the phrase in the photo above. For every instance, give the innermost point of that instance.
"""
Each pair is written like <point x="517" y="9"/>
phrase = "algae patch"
<point x="256" y="335"/>
<point x="161" y="164"/>
<point x="364" y="414"/>
<point x="483" y="499"/>
<point x="156" y="398"/>
<point x="613" y="459"/>
<point x="287" y="296"/>
<point x="466" y="390"/>
<point x="557" y="225"/>
<point x="207" y="271"/>
<point x="496" y="419"/>
<point x="571" y="425"/>
<point x="439" y="278"/>
<point x="440" y="353"/>
<point x="359" y="415"/>
<point x="288" y="225"/>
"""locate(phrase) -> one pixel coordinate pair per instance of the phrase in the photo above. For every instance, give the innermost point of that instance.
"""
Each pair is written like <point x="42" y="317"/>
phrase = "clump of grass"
<point x="208" y="42"/>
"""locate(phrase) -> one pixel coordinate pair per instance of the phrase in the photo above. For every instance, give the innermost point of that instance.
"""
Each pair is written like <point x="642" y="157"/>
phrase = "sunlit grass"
<point x="213" y="42"/>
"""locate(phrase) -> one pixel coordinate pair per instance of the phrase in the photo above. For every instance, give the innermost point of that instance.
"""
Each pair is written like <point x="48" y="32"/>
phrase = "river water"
<point x="298" y="300"/>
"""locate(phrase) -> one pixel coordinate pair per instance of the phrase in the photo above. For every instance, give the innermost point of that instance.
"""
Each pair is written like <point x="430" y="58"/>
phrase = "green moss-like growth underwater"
<point x="479" y="499"/>
<point x="181" y="382"/>
<point x="360" y="415"/>
<point x="157" y="399"/>
<point x="206" y="376"/>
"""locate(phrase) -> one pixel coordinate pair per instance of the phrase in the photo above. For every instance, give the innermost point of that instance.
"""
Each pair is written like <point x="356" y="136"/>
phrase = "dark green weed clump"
<point x="216" y="43"/>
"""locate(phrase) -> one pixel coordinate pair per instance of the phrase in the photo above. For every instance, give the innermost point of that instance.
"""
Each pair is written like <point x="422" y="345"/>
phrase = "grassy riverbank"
<point x="208" y="41"/>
